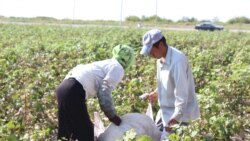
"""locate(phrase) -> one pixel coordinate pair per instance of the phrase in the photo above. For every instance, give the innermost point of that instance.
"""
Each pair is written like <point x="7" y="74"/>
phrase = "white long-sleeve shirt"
<point x="176" y="88"/>
<point x="91" y="76"/>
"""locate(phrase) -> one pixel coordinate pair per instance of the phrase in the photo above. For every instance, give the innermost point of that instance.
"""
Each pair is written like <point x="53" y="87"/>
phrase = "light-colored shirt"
<point x="176" y="88"/>
<point x="91" y="76"/>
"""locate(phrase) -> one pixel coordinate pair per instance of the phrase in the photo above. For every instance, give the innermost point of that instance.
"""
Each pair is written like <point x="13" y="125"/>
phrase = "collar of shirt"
<point x="167" y="58"/>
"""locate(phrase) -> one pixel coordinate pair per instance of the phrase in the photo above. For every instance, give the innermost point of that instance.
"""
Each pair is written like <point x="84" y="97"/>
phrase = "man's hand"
<point x="168" y="129"/>
<point x="172" y="122"/>
<point x="152" y="97"/>
<point x="116" y="120"/>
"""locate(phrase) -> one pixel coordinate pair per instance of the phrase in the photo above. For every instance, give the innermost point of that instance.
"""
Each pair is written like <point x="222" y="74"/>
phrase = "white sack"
<point x="141" y="123"/>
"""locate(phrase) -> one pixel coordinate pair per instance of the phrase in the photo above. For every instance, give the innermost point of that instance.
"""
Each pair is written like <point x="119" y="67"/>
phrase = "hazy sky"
<point x="111" y="9"/>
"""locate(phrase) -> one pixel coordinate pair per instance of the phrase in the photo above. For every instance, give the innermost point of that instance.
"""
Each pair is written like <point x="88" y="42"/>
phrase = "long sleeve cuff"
<point x="177" y="114"/>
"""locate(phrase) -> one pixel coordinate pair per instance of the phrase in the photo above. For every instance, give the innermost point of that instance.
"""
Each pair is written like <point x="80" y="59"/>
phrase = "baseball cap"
<point x="149" y="38"/>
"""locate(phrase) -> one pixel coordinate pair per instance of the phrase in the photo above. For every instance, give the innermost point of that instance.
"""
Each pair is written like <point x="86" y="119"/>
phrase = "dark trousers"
<point x="73" y="118"/>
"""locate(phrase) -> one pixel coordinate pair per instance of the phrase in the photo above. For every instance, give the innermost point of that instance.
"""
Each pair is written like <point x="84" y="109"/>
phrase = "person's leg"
<point x="64" y="132"/>
<point x="82" y="127"/>
<point x="74" y="121"/>
<point x="62" y="93"/>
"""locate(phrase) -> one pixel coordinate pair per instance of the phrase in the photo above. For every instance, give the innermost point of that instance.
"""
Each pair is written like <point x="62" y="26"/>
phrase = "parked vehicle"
<point x="208" y="26"/>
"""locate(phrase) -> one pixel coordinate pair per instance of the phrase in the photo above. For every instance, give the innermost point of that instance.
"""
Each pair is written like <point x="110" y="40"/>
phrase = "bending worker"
<point x="88" y="81"/>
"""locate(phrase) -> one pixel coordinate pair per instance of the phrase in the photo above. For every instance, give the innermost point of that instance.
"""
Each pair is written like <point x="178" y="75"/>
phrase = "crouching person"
<point x="88" y="81"/>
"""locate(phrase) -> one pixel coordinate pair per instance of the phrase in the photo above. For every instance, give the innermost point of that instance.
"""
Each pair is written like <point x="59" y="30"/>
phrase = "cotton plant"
<point x="130" y="135"/>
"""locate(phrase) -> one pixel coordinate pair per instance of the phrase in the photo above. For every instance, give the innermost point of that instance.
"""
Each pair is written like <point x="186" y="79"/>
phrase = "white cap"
<point x="150" y="38"/>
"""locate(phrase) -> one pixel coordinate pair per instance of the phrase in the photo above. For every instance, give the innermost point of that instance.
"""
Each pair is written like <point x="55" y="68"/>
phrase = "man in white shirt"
<point x="175" y="84"/>
<point x="85" y="81"/>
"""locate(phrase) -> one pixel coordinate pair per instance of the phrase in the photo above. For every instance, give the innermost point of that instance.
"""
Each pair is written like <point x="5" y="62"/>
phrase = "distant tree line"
<point x="243" y="20"/>
<point x="239" y="20"/>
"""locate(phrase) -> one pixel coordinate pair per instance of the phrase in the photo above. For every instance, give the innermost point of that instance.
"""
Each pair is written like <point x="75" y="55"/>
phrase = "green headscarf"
<point x="124" y="55"/>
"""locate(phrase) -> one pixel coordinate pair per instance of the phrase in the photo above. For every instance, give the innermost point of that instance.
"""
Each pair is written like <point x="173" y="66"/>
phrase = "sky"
<point x="117" y="10"/>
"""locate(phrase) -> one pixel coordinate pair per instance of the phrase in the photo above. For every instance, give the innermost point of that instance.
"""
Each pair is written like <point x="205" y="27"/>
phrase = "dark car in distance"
<point x="208" y="26"/>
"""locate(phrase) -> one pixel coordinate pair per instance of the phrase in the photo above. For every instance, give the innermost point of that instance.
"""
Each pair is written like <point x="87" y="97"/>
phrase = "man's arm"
<point x="181" y="89"/>
<point x="106" y="103"/>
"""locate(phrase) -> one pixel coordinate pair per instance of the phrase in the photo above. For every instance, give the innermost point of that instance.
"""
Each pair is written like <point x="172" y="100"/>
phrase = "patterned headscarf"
<point x="124" y="55"/>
